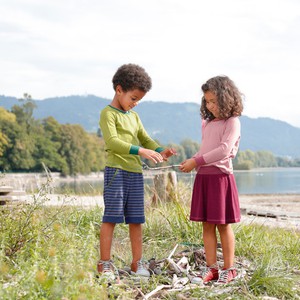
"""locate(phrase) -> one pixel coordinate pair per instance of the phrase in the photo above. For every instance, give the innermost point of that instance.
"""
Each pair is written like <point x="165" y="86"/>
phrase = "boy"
<point x="123" y="194"/>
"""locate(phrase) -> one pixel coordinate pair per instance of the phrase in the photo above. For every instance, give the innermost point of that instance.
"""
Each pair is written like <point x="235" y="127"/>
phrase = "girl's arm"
<point x="228" y="142"/>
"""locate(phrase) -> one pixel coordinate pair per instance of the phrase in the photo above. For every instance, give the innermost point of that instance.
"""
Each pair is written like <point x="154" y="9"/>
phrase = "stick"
<point x="173" y="251"/>
<point x="146" y="167"/>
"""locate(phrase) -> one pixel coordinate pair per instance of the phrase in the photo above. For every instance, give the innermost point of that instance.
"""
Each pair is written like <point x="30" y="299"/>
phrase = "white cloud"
<point x="57" y="48"/>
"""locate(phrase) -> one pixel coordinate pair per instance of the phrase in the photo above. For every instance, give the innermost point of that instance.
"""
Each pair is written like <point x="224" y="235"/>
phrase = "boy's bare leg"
<point x="106" y="235"/>
<point x="227" y="242"/>
<point x="210" y="243"/>
<point x="135" y="233"/>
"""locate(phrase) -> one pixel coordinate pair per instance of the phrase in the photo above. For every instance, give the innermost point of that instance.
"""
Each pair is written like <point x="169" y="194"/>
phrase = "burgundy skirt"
<point x="215" y="197"/>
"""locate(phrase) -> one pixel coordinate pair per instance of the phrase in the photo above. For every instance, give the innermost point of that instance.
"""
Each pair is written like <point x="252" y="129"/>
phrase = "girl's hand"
<point x="188" y="165"/>
<point x="150" y="154"/>
<point x="167" y="153"/>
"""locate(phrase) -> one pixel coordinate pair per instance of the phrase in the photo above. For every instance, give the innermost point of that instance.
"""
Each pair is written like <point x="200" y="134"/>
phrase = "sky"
<point x="52" y="48"/>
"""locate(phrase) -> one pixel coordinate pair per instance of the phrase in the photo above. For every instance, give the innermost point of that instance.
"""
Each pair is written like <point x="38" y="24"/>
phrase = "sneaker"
<point x="226" y="275"/>
<point x="208" y="274"/>
<point x="106" y="268"/>
<point x="138" y="268"/>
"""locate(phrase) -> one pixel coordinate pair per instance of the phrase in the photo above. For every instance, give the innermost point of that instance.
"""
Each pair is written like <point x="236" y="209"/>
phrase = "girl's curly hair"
<point x="130" y="77"/>
<point x="229" y="98"/>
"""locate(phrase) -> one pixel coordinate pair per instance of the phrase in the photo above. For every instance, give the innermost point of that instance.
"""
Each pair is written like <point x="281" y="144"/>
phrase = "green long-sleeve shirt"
<point x="124" y="133"/>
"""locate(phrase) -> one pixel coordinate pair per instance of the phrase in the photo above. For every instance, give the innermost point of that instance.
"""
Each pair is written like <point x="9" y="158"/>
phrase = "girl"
<point x="215" y="200"/>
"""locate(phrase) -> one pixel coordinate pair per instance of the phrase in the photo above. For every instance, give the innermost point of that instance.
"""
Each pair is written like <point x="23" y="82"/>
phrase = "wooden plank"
<point x="5" y="189"/>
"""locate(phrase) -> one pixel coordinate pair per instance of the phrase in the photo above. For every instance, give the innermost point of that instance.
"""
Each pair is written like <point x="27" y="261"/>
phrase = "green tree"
<point x="265" y="159"/>
<point x="6" y="118"/>
<point x="179" y="157"/>
<point x="75" y="150"/>
<point x="24" y="112"/>
<point x="190" y="147"/>
<point x="244" y="160"/>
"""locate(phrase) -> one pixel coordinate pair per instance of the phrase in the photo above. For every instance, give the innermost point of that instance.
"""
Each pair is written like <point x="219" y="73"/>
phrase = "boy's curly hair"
<point x="229" y="98"/>
<point x="130" y="77"/>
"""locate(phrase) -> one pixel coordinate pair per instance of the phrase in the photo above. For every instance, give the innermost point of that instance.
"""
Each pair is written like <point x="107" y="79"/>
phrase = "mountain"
<point x="168" y="122"/>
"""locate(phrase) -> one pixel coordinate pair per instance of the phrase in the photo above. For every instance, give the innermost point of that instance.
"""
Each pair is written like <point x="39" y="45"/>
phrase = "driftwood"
<point x="165" y="186"/>
<point x="178" y="270"/>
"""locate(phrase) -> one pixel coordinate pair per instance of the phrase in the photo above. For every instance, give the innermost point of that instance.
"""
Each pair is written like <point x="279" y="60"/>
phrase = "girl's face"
<point x="212" y="103"/>
<point x="128" y="100"/>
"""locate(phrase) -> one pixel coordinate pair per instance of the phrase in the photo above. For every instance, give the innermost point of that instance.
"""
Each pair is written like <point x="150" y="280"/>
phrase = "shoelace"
<point x="106" y="265"/>
<point x="140" y="265"/>
<point x="207" y="270"/>
<point x="223" y="277"/>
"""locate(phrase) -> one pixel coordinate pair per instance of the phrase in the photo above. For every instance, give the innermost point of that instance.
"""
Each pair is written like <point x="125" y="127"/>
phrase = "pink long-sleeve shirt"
<point x="220" y="143"/>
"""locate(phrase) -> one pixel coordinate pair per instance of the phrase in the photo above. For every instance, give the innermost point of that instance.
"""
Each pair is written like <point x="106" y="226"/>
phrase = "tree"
<point x="190" y="147"/>
<point x="265" y="159"/>
<point x="6" y="118"/>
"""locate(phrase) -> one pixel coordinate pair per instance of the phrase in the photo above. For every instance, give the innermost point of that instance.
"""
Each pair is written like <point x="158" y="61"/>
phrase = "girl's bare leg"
<point x="228" y="244"/>
<point x="210" y="243"/>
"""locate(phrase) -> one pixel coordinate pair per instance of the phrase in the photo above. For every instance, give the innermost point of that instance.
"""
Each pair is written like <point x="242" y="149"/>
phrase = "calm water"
<point x="269" y="181"/>
<point x="261" y="181"/>
<point x="258" y="181"/>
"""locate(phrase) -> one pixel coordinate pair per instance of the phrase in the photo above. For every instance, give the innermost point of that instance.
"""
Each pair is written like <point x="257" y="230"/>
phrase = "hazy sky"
<point x="52" y="48"/>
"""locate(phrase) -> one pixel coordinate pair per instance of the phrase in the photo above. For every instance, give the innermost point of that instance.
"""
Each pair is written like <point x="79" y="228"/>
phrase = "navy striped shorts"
<point x="123" y="196"/>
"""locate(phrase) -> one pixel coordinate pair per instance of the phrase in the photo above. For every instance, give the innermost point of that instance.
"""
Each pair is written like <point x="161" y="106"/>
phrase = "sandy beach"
<point x="281" y="210"/>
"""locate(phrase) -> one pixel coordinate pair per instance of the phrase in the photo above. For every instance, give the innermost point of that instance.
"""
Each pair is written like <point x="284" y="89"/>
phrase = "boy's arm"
<point x="109" y="132"/>
<point x="148" y="143"/>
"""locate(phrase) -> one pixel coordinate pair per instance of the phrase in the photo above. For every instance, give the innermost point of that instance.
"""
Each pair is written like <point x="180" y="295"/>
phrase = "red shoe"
<point x="227" y="275"/>
<point x="208" y="274"/>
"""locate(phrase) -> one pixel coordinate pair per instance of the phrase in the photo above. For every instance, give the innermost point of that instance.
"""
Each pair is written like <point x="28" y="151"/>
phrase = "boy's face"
<point x="128" y="100"/>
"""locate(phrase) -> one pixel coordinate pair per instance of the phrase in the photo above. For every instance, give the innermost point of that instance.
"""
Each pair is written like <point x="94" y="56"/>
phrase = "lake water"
<point x="258" y="181"/>
<point x="269" y="181"/>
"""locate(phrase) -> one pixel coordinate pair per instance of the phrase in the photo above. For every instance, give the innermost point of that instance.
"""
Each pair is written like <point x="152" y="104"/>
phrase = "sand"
<point x="280" y="210"/>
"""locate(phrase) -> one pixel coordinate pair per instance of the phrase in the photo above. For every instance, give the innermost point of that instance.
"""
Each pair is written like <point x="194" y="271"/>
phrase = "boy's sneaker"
<point x="139" y="268"/>
<point x="226" y="275"/>
<point x="208" y="274"/>
<point x="106" y="268"/>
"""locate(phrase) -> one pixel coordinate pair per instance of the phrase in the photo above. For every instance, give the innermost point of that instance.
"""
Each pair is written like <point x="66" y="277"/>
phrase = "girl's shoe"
<point x="106" y="268"/>
<point x="208" y="274"/>
<point x="139" y="268"/>
<point x="227" y="275"/>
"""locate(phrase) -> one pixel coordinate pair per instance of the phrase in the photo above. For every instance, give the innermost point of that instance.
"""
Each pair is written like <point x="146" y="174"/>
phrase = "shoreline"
<point x="275" y="210"/>
<point x="281" y="210"/>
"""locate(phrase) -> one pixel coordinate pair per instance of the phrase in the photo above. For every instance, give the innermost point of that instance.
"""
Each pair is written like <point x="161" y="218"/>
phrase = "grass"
<point x="51" y="253"/>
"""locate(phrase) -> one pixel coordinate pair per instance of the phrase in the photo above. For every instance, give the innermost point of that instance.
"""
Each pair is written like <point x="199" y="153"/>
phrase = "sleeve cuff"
<point x="159" y="149"/>
<point x="200" y="161"/>
<point x="134" y="150"/>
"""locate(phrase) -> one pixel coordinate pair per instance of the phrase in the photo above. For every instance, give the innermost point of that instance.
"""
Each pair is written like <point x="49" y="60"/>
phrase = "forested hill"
<point x="169" y="122"/>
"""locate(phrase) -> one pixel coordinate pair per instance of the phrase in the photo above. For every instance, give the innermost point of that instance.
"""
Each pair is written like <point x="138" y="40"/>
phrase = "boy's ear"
<point x="119" y="89"/>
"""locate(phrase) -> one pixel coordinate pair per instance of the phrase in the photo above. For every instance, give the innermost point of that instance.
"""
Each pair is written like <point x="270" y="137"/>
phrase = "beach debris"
<point x="175" y="273"/>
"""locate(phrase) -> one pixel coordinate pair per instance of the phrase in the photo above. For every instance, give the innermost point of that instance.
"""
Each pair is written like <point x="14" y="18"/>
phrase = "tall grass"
<point x="51" y="253"/>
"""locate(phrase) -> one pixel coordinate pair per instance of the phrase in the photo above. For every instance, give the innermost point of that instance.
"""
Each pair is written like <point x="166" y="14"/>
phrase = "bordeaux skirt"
<point x="215" y="197"/>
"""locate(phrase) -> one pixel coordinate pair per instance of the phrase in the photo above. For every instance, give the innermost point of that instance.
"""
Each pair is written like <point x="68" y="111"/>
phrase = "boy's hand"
<point x="167" y="153"/>
<point x="188" y="165"/>
<point x="150" y="154"/>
